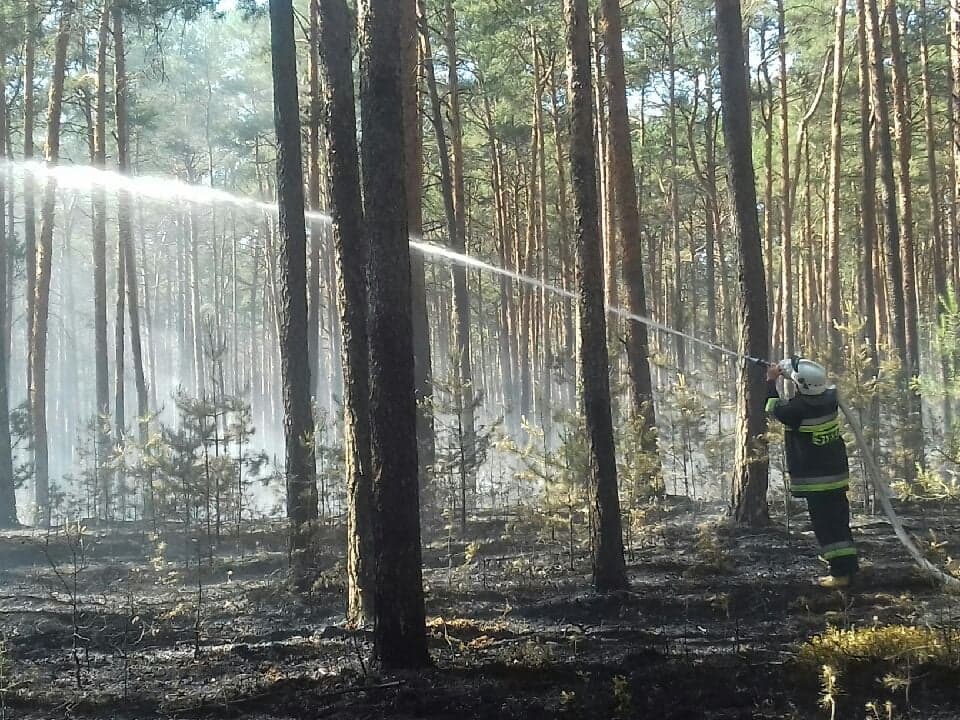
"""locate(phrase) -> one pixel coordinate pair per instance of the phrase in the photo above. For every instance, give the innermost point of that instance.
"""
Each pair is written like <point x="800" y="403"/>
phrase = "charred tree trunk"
<point x="399" y="629"/>
<point x="609" y="571"/>
<point x="350" y="244"/>
<point x="292" y="265"/>
<point x="750" y="472"/>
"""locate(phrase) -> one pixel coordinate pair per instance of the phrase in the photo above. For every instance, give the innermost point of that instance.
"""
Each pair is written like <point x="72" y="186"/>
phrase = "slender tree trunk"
<point x="313" y="200"/>
<point x="868" y="195"/>
<point x="786" y="200"/>
<point x="102" y="359"/>
<point x="413" y="149"/>
<point x="936" y="221"/>
<point x="677" y="300"/>
<point x="750" y="472"/>
<point x="834" y="311"/>
<point x="29" y="187"/>
<point x="896" y="303"/>
<point x="350" y="245"/>
<point x="295" y="368"/>
<point x="569" y="361"/>
<point x="8" y="498"/>
<point x="461" y="296"/>
<point x="125" y="231"/>
<point x="628" y="221"/>
<point x="41" y="307"/>
<point x="902" y="123"/>
<point x="609" y="571"/>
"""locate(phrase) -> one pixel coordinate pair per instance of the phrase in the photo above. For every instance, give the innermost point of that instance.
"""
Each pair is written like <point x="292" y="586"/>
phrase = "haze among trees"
<point x="231" y="387"/>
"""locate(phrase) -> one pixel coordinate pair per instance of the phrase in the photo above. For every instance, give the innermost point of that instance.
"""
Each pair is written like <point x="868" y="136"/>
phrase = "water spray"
<point x="79" y="177"/>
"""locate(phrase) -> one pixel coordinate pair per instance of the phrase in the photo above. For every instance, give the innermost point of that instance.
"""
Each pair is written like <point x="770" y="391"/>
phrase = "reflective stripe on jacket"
<point x="816" y="453"/>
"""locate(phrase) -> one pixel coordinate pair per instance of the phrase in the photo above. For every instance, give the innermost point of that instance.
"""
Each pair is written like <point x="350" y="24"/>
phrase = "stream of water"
<point x="168" y="190"/>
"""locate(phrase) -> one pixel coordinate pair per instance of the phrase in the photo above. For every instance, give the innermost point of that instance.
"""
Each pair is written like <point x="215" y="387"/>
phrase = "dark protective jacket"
<point x="816" y="452"/>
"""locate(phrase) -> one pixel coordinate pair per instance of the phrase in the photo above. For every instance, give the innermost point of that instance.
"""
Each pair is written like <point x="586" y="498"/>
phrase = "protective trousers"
<point x="830" y="516"/>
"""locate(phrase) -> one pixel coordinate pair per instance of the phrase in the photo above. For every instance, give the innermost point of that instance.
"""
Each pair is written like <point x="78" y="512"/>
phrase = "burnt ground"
<point x="711" y="627"/>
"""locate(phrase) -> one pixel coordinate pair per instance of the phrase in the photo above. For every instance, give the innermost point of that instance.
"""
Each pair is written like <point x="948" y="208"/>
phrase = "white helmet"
<point x="809" y="377"/>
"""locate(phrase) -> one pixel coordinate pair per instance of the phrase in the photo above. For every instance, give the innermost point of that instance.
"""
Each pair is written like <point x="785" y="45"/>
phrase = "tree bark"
<point x="8" y="498"/>
<point x="29" y="186"/>
<point x="313" y="200"/>
<point x="124" y="222"/>
<point x="868" y="197"/>
<point x="295" y="368"/>
<point x="350" y="245"/>
<point x="902" y="123"/>
<point x="102" y="359"/>
<point x="609" y="571"/>
<point x="677" y="299"/>
<point x="750" y="471"/>
<point x="458" y="240"/>
<point x="413" y="150"/>
<point x="628" y="222"/>
<point x="786" y="200"/>
<point x="399" y="628"/>
<point x="894" y="269"/>
<point x="834" y="311"/>
<point x="41" y="307"/>
<point x="933" y="184"/>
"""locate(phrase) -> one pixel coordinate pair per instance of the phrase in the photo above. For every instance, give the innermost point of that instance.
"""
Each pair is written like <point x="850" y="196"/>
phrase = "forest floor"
<point x="714" y="626"/>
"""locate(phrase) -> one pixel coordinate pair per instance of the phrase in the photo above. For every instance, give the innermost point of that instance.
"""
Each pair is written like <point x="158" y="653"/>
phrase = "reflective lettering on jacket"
<point x="815" y="450"/>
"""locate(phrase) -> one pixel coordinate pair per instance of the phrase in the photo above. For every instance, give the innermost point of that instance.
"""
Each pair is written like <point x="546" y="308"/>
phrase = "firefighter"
<point x="816" y="459"/>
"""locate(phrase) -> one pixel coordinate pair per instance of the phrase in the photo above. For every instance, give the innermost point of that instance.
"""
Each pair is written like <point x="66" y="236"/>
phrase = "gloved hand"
<point x="786" y="367"/>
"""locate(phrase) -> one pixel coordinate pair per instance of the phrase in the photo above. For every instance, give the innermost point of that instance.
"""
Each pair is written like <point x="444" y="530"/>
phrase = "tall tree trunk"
<point x="677" y="300"/>
<point x="563" y="209"/>
<point x="868" y="197"/>
<point x="101" y="356"/>
<point x="461" y="296"/>
<point x="834" y="311"/>
<point x="399" y="630"/>
<point x="124" y="220"/>
<point x="936" y="221"/>
<point x="41" y="308"/>
<point x="8" y="498"/>
<point x="628" y="221"/>
<point x="894" y="269"/>
<point x="609" y="570"/>
<point x="313" y="200"/>
<point x="953" y="217"/>
<point x="29" y="188"/>
<point x="546" y="300"/>
<point x="413" y="149"/>
<point x="786" y="200"/>
<point x="766" y="112"/>
<point x="902" y="124"/>
<point x="350" y="244"/>
<point x="750" y="471"/>
<point x="295" y="367"/>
